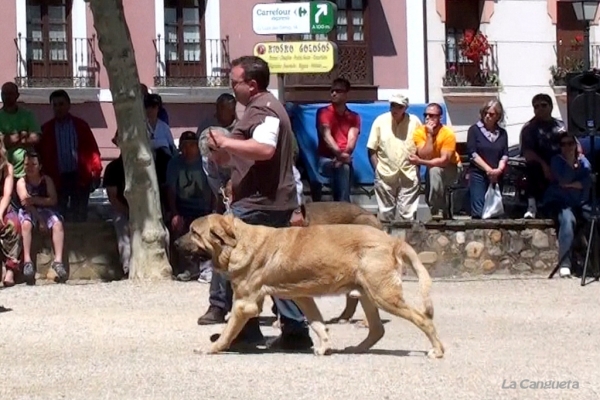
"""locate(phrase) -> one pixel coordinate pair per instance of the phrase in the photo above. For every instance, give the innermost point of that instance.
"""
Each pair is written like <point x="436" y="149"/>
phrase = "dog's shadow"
<point x="265" y="349"/>
<point x="269" y="321"/>
<point x="4" y="309"/>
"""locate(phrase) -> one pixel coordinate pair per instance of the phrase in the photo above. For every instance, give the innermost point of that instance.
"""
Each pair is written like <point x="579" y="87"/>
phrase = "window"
<point x="48" y="39"/>
<point x="184" y="38"/>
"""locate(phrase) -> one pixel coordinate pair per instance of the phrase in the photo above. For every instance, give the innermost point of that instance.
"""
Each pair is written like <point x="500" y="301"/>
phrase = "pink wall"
<point x="389" y="43"/>
<point x="8" y="49"/>
<point x="236" y="22"/>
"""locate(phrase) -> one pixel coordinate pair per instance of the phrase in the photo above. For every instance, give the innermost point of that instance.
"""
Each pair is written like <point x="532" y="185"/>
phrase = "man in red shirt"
<point x="338" y="129"/>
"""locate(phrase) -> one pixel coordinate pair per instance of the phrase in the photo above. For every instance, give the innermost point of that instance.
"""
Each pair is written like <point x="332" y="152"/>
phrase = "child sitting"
<point x="39" y="200"/>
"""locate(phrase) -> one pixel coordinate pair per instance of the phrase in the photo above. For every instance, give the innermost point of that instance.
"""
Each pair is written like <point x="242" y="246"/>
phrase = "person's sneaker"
<point x="565" y="272"/>
<point x="292" y="342"/>
<point x="61" y="272"/>
<point x="531" y="210"/>
<point x="29" y="273"/>
<point x="205" y="276"/>
<point x="213" y="316"/>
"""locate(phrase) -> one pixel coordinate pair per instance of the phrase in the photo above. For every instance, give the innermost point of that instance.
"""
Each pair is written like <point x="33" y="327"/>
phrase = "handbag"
<point x="492" y="206"/>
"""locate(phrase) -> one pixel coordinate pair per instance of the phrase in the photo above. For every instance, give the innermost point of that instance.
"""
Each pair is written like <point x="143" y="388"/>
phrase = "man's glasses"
<point x="334" y="90"/>
<point x="429" y="115"/>
<point x="540" y="105"/>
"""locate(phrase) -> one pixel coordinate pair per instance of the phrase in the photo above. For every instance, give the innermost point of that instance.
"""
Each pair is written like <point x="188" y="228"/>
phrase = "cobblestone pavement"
<point x="135" y="341"/>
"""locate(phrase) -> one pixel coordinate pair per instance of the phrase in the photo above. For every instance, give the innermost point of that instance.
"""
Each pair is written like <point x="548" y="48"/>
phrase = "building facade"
<point x="533" y="43"/>
<point x="183" y="49"/>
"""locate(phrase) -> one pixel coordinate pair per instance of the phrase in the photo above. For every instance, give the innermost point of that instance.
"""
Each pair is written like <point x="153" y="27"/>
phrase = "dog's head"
<point x="214" y="235"/>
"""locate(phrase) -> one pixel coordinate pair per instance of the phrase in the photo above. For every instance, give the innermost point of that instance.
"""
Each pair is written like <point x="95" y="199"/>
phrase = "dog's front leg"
<point x="315" y="319"/>
<point x="241" y="312"/>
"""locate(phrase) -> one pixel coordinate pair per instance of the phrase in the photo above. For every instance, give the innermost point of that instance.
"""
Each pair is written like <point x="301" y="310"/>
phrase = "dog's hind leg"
<point x="346" y="315"/>
<point x="312" y="313"/>
<point x="393" y="303"/>
<point x="376" y="329"/>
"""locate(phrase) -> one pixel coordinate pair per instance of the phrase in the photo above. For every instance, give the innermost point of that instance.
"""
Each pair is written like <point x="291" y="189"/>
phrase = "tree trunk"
<point x="149" y="239"/>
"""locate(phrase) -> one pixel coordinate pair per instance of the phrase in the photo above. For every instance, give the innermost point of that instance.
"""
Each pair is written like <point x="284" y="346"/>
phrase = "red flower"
<point x="474" y="46"/>
<point x="579" y="38"/>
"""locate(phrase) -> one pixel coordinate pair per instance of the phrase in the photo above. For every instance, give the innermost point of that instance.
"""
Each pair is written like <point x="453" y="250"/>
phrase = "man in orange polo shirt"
<point x="338" y="129"/>
<point x="436" y="149"/>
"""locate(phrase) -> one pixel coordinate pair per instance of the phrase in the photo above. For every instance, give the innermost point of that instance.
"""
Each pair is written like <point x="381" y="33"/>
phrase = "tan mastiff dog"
<point x="333" y="213"/>
<point x="300" y="263"/>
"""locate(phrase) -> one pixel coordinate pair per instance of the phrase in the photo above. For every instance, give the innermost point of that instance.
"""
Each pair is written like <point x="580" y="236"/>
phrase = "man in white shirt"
<point x="390" y="145"/>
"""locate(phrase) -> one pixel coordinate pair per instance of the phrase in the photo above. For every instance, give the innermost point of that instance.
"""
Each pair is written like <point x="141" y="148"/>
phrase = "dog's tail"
<point x="404" y="249"/>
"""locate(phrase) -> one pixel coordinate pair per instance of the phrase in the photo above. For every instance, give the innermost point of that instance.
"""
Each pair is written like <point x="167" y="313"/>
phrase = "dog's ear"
<point x="222" y="230"/>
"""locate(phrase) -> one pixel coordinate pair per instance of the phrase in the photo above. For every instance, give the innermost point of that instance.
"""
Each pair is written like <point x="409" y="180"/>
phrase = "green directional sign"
<point x="292" y="18"/>
<point x="322" y="17"/>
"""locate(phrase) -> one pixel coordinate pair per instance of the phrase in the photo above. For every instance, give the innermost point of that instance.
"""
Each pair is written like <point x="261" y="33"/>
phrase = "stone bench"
<point x="91" y="252"/>
<point x="481" y="247"/>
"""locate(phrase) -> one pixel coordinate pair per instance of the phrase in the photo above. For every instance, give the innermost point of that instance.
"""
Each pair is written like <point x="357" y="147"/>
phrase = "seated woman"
<point x="10" y="229"/>
<point x="39" y="201"/>
<point x="487" y="145"/>
<point x="566" y="194"/>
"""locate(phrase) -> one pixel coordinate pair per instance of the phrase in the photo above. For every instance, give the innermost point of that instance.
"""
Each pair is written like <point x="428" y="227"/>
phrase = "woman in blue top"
<point x="487" y="146"/>
<point x="567" y="193"/>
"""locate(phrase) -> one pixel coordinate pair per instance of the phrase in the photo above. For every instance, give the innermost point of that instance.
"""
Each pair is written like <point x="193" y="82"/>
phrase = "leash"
<point x="226" y="201"/>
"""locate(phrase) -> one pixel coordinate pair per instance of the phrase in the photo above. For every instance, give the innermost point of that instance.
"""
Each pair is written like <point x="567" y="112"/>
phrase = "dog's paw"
<point x="355" y="294"/>
<point x="323" y="351"/>
<point x="435" y="353"/>
<point x="362" y="324"/>
<point x="200" y="352"/>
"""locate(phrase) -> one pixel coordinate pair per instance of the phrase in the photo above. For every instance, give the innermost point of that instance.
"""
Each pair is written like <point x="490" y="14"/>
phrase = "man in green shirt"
<point x="19" y="128"/>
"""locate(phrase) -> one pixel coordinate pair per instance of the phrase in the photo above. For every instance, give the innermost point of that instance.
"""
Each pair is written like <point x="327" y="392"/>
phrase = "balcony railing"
<point x="460" y="71"/>
<point x="192" y="63"/>
<point x="51" y="62"/>
<point x="353" y="63"/>
<point x="569" y="59"/>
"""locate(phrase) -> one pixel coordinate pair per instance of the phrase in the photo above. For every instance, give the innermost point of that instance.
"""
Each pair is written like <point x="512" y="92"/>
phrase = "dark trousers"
<point x="292" y="319"/>
<point x="72" y="198"/>
<point x="536" y="181"/>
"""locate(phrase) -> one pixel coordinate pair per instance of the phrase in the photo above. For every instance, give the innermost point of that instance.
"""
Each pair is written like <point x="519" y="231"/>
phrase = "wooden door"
<point x="49" y="43"/>
<point x="184" y="42"/>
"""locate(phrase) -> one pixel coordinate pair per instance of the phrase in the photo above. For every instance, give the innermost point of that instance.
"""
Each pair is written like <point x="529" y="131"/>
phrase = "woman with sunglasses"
<point x="568" y="192"/>
<point x="487" y="146"/>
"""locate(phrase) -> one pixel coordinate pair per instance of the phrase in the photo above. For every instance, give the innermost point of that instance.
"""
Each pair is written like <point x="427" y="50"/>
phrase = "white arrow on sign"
<point x="322" y="10"/>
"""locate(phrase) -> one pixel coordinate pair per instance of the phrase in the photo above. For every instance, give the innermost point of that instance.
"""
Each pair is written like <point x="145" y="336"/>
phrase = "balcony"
<point x="44" y="65"/>
<point x="191" y="70"/>
<point x="569" y="59"/>
<point x="468" y="80"/>
<point x="354" y="62"/>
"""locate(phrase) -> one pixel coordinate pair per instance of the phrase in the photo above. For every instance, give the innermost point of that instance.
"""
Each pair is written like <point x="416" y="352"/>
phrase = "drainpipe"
<point x="425" y="50"/>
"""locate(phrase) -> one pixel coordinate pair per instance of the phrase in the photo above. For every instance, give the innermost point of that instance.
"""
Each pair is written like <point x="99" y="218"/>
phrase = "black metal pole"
<point x="586" y="46"/>
<point x="590" y="126"/>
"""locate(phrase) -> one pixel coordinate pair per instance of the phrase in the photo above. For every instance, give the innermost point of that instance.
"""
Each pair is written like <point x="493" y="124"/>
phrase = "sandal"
<point x="29" y="273"/>
<point x="61" y="271"/>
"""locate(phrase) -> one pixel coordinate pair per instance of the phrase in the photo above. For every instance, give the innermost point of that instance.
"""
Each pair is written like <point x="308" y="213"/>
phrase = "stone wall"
<point x="475" y="247"/>
<point x="91" y="252"/>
